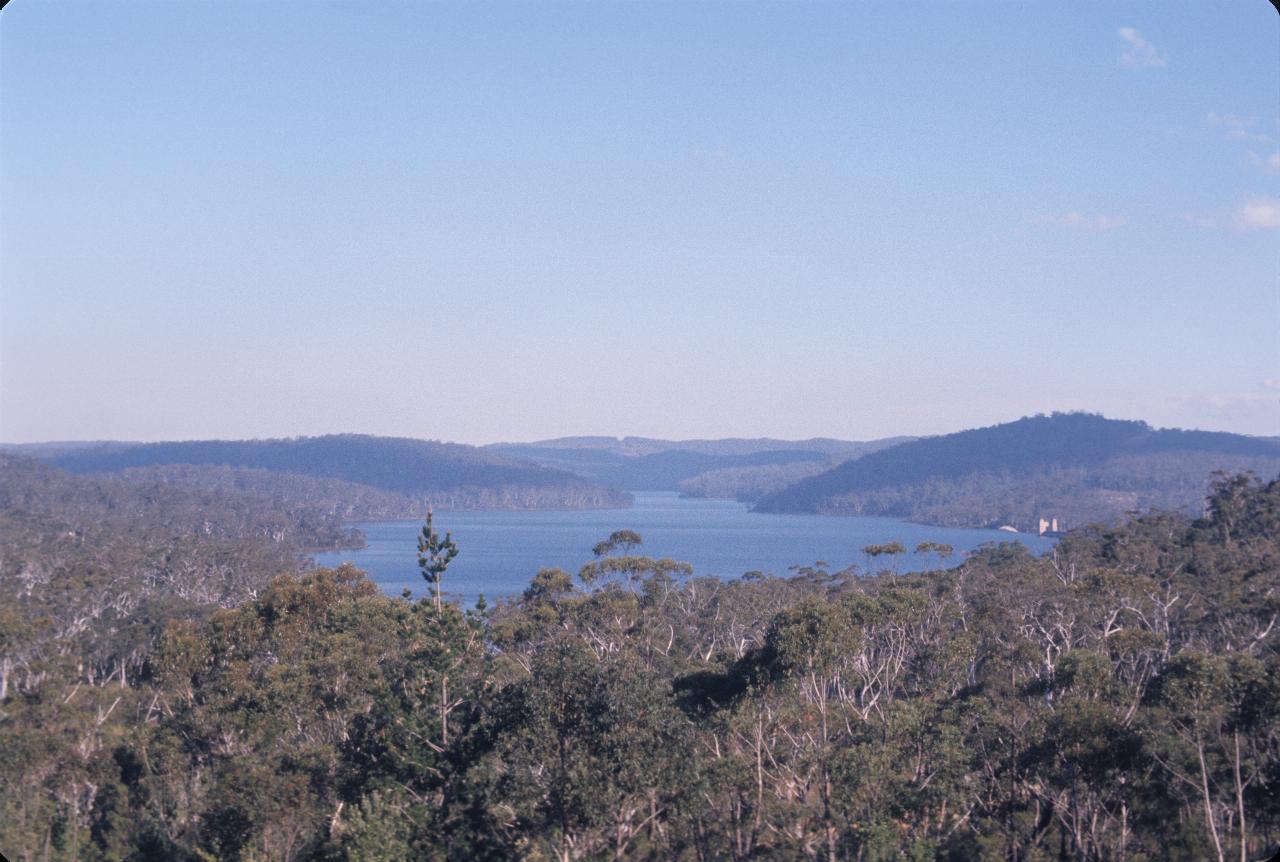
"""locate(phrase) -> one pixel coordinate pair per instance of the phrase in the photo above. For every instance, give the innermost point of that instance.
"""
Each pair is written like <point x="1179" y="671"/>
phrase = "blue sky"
<point x="483" y="222"/>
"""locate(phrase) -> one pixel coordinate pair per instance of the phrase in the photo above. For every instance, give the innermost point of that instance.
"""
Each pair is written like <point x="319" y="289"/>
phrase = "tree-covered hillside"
<point x="647" y="464"/>
<point x="749" y="484"/>
<point x="447" y="475"/>
<point x="658" y="471"/>
<point x="92" y="567"/>
<point x="638" y="446"/>
<point x="1118" y="699"/>
<point x="1073" y="466"/>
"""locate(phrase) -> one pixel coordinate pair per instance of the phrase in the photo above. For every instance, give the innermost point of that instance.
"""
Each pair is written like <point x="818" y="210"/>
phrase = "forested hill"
<point x="1118" y="699"/>
<point x="657" y="471"/>
<point x="1074" y="466"/>
<point x="640" y="446"/>
<point x="647" y="464"/>
<point x="443" y="474"/>
<point x="61" y="534"/>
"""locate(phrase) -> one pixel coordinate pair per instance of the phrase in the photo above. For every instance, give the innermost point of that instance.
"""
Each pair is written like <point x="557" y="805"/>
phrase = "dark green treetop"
<point x="435" y="555"/>
<point x="623" y="540"/>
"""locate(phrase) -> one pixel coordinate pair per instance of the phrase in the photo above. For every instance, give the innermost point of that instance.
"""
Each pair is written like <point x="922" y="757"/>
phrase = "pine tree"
<point x="434" y="556"/>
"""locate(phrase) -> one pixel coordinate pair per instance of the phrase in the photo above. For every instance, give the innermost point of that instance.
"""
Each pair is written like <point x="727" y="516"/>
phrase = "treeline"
<point x="730" y="468"/>
<point x="1076" y="467"/>
<point x="379" y="476"/>
<point x="749" y="484"/>
<point x="164" y="502"/>
<point x="1116" y="699"/>
<point x="656" y="471"/>
<point x="634" y="447"/>
<point x="1073" y="495"/>
<point x="352" y="501"/>
<point x="93" y="567"/>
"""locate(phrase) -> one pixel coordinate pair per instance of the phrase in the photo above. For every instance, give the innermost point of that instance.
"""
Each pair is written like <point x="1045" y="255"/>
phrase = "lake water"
<point x="501" y="551"/>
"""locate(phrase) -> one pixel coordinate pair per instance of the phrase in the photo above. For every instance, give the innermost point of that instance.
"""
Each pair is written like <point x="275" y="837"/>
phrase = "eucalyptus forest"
<point x="639" y="431"/>
<point x="178" y="683"/>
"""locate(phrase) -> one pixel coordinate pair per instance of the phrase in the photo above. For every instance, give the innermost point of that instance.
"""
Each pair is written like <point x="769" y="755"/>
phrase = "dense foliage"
<point x="657" y="471"/>
<point x="639" y="446"/>
<point x="749" y="484"/>
<point x="1116" y="699"/>
<point x="646" y="464"/>
<point x="351" y="501"/>
<point x="1076" y="467"/>
<point x="447" y="475"/>
<point x="94" y="566"/>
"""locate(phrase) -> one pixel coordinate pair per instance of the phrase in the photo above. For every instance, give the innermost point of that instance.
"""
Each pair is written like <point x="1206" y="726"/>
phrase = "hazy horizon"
<point x="496" y="222"/>
<point x="569" y="436"/>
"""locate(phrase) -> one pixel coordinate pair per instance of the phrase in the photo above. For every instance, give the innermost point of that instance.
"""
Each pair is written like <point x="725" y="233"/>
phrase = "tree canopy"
<point x="1114" y="699"/>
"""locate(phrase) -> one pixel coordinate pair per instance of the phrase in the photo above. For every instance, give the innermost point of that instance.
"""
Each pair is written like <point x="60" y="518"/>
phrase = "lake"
<point x="501" y="551"/>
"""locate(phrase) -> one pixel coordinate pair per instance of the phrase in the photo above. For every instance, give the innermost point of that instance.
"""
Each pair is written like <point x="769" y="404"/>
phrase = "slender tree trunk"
<point x="563" y="814"/>
<point x="1208" y="801"/>
<point x="444" y="709"/>
<point x="759" y="812"/>
<point x="1124" y="830"/>
<point x="1244" y="835"/>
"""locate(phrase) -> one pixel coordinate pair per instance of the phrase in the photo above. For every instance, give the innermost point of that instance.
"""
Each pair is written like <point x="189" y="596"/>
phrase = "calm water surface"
<point x="501" y="551"/>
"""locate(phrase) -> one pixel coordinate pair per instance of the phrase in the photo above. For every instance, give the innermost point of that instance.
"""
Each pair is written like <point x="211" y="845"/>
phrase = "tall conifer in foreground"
<point x="434" y="556"/>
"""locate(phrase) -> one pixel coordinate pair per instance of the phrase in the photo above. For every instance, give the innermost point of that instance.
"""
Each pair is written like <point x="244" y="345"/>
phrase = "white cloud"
<point x="1235" y="127"/>
<point x="1247" y="411"/>
<point x="1260" y="213"/>
<point x="1105" y="222"/>
<point x="1201" y="220"/>
<point x="1269" y="163"/>
<point x="1256" y="213"/>
<point x="1139" y="53"/>
<point x="1081" y="221"/>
